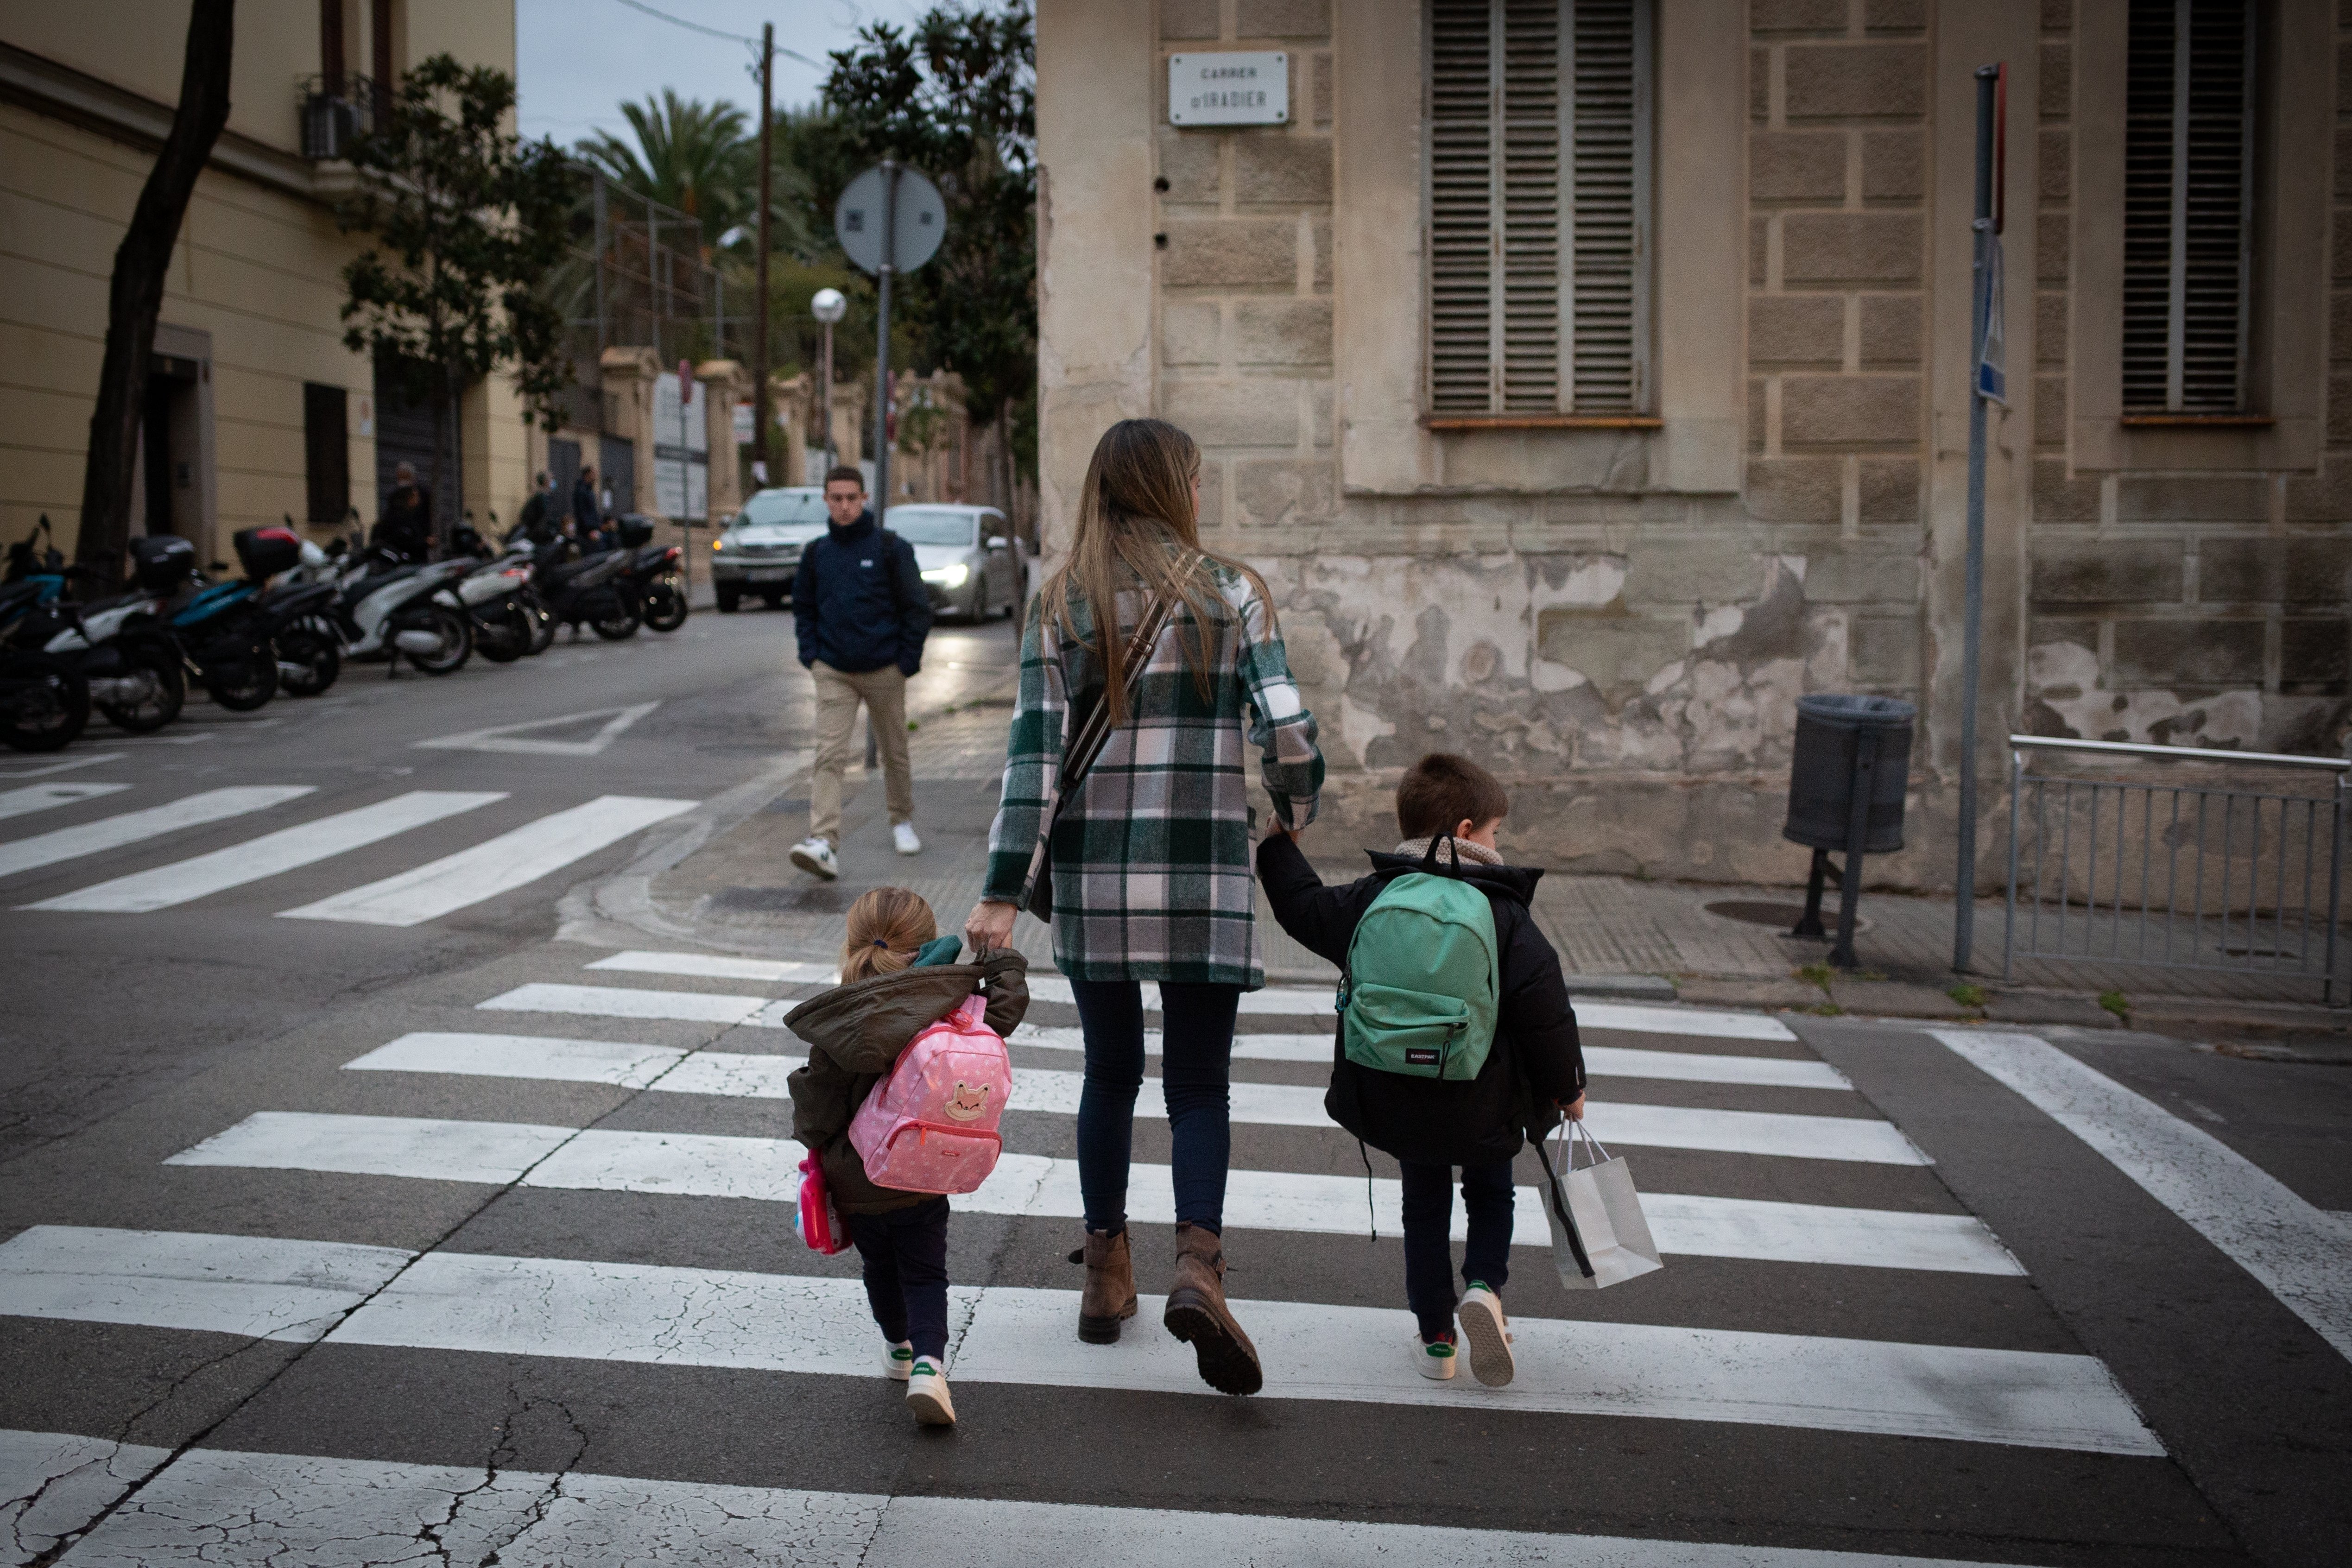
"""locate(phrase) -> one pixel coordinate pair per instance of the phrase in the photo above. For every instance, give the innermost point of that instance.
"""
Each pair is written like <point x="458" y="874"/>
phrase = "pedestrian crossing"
<point x="497" y="865"/>
<point x="1760" y="1156"/>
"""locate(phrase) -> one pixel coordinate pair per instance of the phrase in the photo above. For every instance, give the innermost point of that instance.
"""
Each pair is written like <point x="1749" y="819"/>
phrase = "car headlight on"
<point x="954" y="576"/>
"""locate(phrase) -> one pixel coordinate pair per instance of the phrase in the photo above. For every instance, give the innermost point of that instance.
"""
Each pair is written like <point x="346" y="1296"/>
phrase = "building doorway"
<point x="172" y="486"/>
<point x="404" y="434"/>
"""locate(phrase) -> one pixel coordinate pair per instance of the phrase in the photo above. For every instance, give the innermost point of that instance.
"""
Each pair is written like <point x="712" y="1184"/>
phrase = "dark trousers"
<point x="906" y="1257"/>
<point x="1195" y="1067"/>
<point x="1487" y="1195"/>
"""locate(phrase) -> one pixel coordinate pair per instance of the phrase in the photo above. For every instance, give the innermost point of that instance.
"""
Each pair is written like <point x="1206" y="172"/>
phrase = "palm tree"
<point x="697" y="157"/>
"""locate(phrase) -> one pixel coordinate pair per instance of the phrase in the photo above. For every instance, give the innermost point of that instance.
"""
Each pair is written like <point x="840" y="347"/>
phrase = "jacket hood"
<point x="1516" y="883"/>
<point x="857" y="530"/>
<point x="865" y="1025"/>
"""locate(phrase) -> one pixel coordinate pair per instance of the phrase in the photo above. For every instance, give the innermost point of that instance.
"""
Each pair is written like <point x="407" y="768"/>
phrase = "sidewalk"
<point x="1618" y="937"/>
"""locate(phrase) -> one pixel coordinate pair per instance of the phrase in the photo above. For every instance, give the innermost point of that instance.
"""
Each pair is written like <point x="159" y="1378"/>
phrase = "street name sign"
<point x="1229" y="88"/>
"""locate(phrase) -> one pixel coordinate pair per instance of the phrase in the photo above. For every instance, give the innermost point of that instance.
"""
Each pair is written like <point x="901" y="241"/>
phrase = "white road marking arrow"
<point x="517" y="738"/>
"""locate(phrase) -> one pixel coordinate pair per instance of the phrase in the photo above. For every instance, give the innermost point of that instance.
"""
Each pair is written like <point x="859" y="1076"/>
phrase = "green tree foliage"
<point x="467" y="220"/>
<point x="697" y="157"/>
<point x="954" y="95"/>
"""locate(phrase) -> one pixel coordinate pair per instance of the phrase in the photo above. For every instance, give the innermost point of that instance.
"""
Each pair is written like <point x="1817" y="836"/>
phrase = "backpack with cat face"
<point x="929" y="1126"/>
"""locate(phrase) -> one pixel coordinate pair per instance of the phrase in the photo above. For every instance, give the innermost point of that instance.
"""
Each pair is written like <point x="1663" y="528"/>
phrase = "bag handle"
<point x="1560" y="1204"/>
<point x="1095" y="733"/>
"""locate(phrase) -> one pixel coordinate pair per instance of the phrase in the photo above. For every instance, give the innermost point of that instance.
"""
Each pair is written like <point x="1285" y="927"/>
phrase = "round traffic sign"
<point x="922" y="220"/>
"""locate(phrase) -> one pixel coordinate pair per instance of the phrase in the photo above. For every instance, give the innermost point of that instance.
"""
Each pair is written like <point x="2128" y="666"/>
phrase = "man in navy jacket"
<point x="861" y="613"/>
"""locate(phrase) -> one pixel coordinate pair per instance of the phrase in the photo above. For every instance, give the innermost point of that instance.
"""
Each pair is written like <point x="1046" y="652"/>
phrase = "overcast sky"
<point x="578" y="60"/>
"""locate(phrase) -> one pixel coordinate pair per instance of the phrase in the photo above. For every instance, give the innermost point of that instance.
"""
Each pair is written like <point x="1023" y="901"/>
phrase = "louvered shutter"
<point x="2188" y="148"/>
<point x="1538" y="115"/>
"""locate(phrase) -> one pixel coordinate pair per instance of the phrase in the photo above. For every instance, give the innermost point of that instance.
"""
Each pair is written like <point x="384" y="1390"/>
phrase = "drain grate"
<point x="1764" y="913"/>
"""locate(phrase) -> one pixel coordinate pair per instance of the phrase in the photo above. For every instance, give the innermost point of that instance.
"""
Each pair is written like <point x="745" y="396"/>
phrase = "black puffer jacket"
<point x="1535" y="1062"/>
<point x="855" y="1034"/>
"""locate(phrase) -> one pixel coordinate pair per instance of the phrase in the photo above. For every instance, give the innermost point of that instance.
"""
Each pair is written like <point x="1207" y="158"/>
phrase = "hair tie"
<point x="880" y="942"/>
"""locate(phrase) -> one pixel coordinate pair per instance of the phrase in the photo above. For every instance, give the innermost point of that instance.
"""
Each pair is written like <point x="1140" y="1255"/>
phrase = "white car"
<point x="759" y="551"/>
<point x="971" y="561"/>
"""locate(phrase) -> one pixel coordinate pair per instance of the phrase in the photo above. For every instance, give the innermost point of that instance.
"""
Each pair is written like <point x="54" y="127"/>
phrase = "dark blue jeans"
<point x="905" y="1257"/>
<point x="1195" y="1063"/>
<point x="1487" y="1194"/>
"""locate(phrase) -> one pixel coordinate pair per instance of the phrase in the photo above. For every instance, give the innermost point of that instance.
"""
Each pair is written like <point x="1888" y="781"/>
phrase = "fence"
<point x="2229" y="868"/>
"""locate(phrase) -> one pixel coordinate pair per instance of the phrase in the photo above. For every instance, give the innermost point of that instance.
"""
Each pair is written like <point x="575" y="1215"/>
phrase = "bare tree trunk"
<point x="135" y="299"/>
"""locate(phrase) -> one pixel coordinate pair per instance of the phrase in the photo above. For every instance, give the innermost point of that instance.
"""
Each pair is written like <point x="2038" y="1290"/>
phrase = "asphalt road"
<point x="333" y="1239"/>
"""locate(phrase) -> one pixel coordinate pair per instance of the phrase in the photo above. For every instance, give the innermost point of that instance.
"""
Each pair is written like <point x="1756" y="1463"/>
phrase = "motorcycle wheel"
<point x="665" y="607"/>
<point x="505" y="637"/>
<point x="44" y="702"/>
<point x="308" y="663"/>
<point x="543" y="624"/>
<point x="620" y="626"/>
<point x="244" y="680"/>
<point x="455" y="631"/>
<point x="156" y="664"/>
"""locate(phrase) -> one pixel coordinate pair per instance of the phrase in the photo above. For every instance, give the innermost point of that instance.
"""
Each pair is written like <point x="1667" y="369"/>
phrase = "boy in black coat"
<point x="1448" y="808"/>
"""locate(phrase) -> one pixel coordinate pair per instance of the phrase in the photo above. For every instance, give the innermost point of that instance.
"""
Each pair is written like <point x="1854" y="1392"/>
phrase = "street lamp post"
<point x="759" y="415"/>
<point x="828" y="306"/>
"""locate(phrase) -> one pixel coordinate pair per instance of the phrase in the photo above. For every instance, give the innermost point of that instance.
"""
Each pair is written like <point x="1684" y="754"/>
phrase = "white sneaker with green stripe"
<point x="927" y="1394"/>
<point x="1489" y="1334"/>
<point x="1434" y="1358"/>
<point x="898" y="1360"/>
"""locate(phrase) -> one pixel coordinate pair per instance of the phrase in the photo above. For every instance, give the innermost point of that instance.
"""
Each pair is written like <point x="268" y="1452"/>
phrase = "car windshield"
<point x="793" y="508"/>
<point x="929" y="525"/>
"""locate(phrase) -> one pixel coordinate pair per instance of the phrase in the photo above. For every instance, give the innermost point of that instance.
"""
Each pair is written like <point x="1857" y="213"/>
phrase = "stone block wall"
<point x="1245" y="297"/>
<point x="2203" y="609"/>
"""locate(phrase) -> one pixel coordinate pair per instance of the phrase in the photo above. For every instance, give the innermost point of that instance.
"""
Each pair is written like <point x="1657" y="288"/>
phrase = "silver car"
<point x="971" y="562"/>
<point x="758" y="552"/>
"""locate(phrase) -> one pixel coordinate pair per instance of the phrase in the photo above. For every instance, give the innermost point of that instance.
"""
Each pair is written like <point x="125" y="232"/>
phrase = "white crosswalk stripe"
<point x="510" y="861"/>
<point x="722" y="1318"/>
<point x="137" y="826"/>
<point x="687" y="1164"/>
<point x="28" y="798"/>
<point x="271" y="854"/>
<point x="262" y="1510"/>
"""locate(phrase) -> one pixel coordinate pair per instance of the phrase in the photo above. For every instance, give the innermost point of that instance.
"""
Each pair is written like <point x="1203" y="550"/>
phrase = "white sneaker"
<point x="903" y="834"/>
<point x="815" y="855"/>
<point x="1434" y="1359"/>
<point x="927" y="1394"/>
<point x="898" y="1360"/>
<point x="1489" y="1334"/>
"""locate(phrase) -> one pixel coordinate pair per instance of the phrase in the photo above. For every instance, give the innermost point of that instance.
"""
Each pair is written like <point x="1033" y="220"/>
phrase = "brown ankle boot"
<point x="1197" y="1315"/>
<point x="1109" y="1296"/>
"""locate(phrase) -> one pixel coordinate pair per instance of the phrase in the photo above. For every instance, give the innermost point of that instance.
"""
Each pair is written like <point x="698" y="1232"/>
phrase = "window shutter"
<point x="1539" y="207"/>
<point x="2188" y="148"/>
<point x="326" y="451"/>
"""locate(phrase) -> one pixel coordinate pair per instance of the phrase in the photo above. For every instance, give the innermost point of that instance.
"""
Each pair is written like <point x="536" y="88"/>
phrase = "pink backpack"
<point x="930" y="1126"/>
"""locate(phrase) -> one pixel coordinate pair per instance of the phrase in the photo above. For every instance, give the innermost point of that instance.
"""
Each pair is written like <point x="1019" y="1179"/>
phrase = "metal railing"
<point x="334" y="112"/>
<point x="2230" y="874"/>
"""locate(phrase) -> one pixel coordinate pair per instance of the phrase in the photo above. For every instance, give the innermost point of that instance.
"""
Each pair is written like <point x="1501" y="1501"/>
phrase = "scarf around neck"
<point x="1418" y="848"/>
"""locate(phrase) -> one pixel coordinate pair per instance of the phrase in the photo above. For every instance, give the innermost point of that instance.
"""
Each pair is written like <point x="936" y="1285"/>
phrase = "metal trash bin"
<point x="1846" y="785"/>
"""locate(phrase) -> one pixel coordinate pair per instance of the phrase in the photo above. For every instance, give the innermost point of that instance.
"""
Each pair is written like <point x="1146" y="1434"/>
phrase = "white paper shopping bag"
<point x="1599" y="1236"/>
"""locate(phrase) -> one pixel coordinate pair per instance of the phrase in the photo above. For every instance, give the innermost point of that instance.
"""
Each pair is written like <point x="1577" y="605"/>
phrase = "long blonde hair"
<point x="1135" y="501"/>
<point x="886" y="927"/>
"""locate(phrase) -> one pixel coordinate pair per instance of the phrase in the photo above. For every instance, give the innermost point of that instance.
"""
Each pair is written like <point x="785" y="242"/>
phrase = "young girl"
<point x="898" y="976"/>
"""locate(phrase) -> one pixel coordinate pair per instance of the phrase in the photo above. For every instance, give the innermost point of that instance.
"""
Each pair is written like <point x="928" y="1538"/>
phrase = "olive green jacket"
<point x="854" y="1034"/>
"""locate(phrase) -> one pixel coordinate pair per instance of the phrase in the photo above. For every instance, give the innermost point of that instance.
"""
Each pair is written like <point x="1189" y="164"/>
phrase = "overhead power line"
<point x="748" y="42"/>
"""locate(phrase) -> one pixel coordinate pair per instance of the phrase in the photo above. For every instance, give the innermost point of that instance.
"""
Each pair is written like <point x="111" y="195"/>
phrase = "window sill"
<point x="1457" y="424"/>
<point x="2199" y="421"/>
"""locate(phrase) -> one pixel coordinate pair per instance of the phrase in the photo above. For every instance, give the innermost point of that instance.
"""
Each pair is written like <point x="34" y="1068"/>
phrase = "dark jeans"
<point x="906" y="1257"/>
<point x="1486" y="1193"/>
<point x="1195" y="1061"/>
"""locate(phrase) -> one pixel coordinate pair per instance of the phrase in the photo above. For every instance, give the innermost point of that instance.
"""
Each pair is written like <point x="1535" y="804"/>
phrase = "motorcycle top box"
<point x="162" y="562"/>
<point x="635" y="530"/>
<point x="267" y="552"/>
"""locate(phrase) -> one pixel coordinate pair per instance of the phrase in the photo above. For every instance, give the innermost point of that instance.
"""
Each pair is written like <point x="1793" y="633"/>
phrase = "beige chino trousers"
<point x="884" y="693"/>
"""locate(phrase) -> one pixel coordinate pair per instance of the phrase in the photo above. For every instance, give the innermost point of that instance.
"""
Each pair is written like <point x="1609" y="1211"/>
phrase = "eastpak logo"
<point x="1423" y="1055"/>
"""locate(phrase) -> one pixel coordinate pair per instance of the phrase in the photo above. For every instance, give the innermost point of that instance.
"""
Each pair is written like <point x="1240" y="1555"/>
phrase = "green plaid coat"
<point x="1153" y="876"/>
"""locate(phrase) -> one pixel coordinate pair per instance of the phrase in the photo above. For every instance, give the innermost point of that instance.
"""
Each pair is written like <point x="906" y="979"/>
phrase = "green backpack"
<point x="1423" y="980"/>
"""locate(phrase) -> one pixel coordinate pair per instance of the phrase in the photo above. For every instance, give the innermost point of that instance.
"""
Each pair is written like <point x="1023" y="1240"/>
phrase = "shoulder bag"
<point x="1094" y="733"/>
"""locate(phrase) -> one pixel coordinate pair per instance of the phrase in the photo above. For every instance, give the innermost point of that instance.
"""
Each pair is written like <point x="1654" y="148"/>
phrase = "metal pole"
<point x="1964" y="903"/>
<point x="761" y="418"/>
<point x="825" y="400"/>
<point x="602" y="240"/>
<point x="882" y="351"/>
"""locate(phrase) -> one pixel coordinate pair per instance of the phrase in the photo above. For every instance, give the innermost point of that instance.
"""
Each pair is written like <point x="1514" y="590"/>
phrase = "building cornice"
<point x="59" y="90"/>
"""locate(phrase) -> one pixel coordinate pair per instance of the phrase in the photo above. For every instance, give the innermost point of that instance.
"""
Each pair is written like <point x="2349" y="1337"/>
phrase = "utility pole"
<point x="761" y="415"/>
<point x="882" y="350"/>
<point x="1986" y="383"/>
<point x="827" y="306"/>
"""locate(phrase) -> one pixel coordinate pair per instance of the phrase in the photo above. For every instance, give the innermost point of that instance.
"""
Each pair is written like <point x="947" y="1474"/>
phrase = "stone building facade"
<point x="1615" y="601"/>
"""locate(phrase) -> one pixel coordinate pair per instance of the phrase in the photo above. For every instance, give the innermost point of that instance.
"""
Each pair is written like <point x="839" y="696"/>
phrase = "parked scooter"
<point x="590" y="589"/>
<point x="118" y="644"/>
<point x="44" y="700"/>
<point x="398" y="611"/>
<point x="495" y="595"/>
<point x="224" y="648"/>
<point x="291" y="611"/>
<point x="656" y="579"/>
